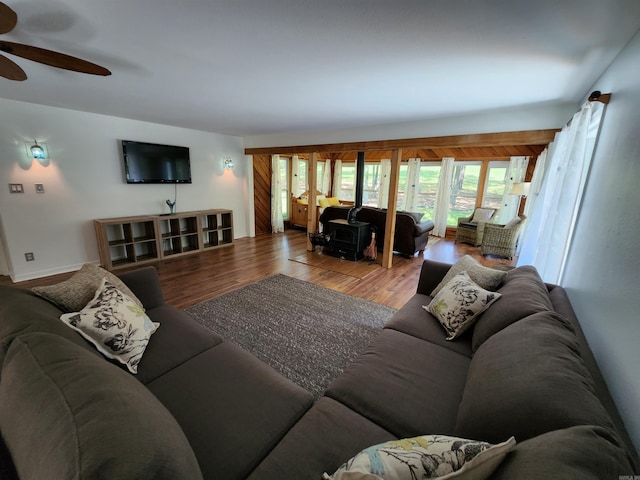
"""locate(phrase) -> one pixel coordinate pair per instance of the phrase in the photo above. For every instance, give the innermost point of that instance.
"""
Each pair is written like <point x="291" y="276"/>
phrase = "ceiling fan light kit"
<point x="12" y="71"/>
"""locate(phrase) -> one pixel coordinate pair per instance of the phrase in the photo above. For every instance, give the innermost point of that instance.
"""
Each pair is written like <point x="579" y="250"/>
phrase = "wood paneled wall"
<point x="262" y="193"/>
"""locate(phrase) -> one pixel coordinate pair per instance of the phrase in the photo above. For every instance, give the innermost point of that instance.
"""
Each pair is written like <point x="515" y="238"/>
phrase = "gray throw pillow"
<point x="73" y="294"/>
<point x="66" y="413"/>
<point x="485" y="277"/>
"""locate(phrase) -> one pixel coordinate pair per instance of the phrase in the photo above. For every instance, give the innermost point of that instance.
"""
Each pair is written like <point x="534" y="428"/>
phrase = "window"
<point x="371" y="184"/>
<point x="348" y="185"/>
<point x="283" y="172"/>
<point x="494" y="187"/>
<point x="464" y="190"/>
<point x="302" y="181"/>
<point x="426" y="191"/>
<point x="428" y="188"/>
<point x="402" y="186"/>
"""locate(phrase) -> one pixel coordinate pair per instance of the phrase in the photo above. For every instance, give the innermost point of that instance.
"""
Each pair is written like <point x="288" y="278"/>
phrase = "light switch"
<point x="16" y="188"/>
<point x="39" y="188"/>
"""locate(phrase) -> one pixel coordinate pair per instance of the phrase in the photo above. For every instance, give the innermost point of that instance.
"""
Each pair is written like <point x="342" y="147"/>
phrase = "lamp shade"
<point x="520" y="189"/>
<point x="37" y="151"/>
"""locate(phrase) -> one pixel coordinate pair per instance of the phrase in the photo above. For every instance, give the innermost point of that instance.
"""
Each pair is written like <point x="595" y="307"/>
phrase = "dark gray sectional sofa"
<point x="201" y="407"/>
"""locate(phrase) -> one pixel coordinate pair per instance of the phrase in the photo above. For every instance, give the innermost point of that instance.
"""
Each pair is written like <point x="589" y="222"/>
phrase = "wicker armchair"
<point x="502" y="240"/>
<point x="472" y="232"/>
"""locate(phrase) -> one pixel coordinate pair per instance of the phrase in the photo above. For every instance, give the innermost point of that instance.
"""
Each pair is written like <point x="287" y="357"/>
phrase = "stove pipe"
<point x="359" y="188"/>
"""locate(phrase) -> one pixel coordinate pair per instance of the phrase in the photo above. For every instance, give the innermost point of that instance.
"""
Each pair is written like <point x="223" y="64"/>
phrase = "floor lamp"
<point x="522" y="190"/>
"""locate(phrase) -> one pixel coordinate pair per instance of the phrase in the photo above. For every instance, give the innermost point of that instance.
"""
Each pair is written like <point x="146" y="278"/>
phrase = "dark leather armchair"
<point x="411" y="235"/>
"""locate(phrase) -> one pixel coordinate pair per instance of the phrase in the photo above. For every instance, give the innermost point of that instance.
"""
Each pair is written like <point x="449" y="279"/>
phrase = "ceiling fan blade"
<point x="9" y="69"/>
<point x="8" y="18"/>
<point x="54" y="59"/>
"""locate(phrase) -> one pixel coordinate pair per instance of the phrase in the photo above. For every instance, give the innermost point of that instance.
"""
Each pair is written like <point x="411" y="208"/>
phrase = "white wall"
<point x="604" y="264"/>
<point x="85" y="180"/>
<point x="538" y="117"/>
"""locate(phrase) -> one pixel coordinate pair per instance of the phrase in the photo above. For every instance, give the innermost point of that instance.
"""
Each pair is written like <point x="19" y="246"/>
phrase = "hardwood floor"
<point x="194" y="278"/>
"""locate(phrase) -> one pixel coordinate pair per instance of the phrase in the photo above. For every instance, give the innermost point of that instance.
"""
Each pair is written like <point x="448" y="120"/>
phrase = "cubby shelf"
<point x="127" y="241"/>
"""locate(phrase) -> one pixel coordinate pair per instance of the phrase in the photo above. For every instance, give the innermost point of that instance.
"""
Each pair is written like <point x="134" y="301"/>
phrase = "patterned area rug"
<point x="306" y="332"/>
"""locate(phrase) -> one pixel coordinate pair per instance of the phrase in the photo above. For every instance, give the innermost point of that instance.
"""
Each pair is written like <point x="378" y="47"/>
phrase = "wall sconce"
<point x="228" y="163"/>
<point x="37" y="151"/>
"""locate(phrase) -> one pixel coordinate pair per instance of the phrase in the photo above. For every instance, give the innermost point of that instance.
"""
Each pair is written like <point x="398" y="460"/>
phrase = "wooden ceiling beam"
<point x="526" y="137"/>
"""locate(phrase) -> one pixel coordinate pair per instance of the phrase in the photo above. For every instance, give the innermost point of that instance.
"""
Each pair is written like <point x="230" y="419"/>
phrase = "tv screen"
<point x="153" y="163"/>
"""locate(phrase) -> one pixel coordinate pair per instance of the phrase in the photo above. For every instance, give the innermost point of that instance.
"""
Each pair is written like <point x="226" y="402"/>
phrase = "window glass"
<point x="495" y="185"/>
<point x="464" y="190"/>
<point x="428" y="188"/>
<point x="348" y="185"/>
<point x="319" y="172"/>
<point x="302" y="176"/>
<point x="371" y="184"/>
<point x="402" y="186"/>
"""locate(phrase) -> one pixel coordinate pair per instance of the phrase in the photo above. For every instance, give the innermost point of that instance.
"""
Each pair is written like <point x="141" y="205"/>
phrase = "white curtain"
<point x="337" y="179"/>
<point x="549" y="234"/>
<point x="413" y="186"/>
<point x="443" y="197"/>
<point x="295" y="186"/>
<point x="326" y="178"/>
<point x="536" y="183"/>
<point x="510" y="203"/>
<point x="383" y="189"/>
<point x="277" y="222"/>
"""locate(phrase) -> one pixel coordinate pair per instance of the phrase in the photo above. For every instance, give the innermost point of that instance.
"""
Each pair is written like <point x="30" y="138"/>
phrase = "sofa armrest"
<point x="422" y="228"/>
<point x="431" y="274"/>
<point x="145" y="284"/>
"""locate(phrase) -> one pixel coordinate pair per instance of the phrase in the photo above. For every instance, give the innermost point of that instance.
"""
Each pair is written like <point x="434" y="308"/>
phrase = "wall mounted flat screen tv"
<point x="153" y="163"/>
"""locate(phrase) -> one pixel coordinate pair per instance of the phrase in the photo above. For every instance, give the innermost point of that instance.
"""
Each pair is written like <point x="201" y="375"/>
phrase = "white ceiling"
<point x="251" y="67"/>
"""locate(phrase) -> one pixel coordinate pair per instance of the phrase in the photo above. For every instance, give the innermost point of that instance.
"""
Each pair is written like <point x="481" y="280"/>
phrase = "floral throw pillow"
<point x="459" y="303"/>
<point x="115" y="324"/>
<point x="428" y="456"/>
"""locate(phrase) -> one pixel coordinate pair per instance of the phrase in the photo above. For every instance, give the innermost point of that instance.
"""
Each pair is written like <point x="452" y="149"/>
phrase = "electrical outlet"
<point x="39" y="188"/>
<point x="29" y="257"/>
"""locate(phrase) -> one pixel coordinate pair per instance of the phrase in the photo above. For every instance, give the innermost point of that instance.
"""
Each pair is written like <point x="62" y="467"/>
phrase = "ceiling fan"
<point x="9" y="69"/>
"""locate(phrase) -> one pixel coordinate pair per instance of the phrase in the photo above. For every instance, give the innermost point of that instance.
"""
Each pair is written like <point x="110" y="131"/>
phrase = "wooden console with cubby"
<point x="128" y="241"/>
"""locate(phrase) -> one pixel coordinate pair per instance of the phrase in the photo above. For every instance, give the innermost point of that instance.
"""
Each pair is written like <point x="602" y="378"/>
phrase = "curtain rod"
<point x="597" y="96"/>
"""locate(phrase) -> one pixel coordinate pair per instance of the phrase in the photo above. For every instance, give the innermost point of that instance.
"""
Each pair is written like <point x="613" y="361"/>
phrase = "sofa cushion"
<point x="227" y="398"/>
<point x="115" y="324"/>
<point x="322" y="440"/>
<point x="145" y="284"/>
<point x="458" y="304"/>
<point x="73" y="294"/>
<point x="179" y="339"/>
<point x="488" y="278"/>
<point x="583" y="452"/>
<point x="66" y="413"/>
<point x="427" y="456"/>
<point x="526" y="380"/>
<point x="404" y="384"/>
<point x="414" y="320"/>
<point x="523" y="294"/>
